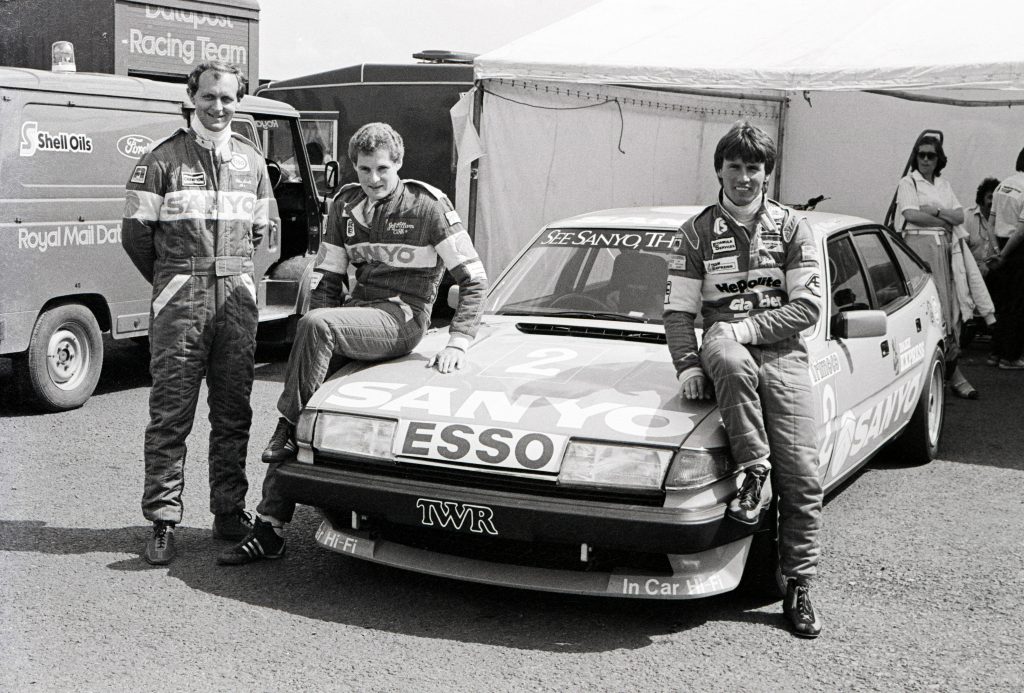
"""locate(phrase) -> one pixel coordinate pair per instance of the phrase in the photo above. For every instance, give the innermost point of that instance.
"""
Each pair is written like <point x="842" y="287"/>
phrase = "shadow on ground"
<point x="317" y="584"/>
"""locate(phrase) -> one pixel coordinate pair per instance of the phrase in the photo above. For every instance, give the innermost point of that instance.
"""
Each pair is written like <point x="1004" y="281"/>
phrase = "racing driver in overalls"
<point x="750" y="267"/>
<point x="197" y="205"/>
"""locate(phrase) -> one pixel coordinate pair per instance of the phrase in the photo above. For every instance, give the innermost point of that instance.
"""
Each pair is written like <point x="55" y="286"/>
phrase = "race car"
<point x="562" y="458"/>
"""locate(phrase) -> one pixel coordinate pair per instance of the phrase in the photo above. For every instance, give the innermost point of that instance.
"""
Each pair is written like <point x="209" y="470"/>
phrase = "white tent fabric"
<point x="556" y="150"/>
<point x="775" y="44"/>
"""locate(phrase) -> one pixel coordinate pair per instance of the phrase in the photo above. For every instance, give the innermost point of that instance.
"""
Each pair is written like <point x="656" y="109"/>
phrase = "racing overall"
<point x="399" y="250"/>
<point x="191" y="224"/>
<point x="770" y="281"/>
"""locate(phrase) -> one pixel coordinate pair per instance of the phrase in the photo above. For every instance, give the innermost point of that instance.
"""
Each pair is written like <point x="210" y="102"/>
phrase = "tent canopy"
<point x="775" y="44"/>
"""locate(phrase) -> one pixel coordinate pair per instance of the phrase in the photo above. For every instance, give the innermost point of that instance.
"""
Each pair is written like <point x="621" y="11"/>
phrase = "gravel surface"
<point x="922" y="580"/>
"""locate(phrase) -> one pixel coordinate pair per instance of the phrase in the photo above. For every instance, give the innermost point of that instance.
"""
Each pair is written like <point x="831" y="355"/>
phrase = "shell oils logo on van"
<point x="35" y="140"/>
<point x="134" y="146"/>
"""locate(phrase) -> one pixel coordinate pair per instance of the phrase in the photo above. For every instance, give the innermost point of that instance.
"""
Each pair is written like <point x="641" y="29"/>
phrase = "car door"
<point x="866" y="384"/>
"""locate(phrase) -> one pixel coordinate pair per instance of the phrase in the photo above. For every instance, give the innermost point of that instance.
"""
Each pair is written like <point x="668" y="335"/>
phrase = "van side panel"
<point x="64" y="162"/>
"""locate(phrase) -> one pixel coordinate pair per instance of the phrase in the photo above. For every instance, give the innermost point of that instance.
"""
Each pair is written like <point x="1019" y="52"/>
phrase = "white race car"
<point x="563" y="458"/>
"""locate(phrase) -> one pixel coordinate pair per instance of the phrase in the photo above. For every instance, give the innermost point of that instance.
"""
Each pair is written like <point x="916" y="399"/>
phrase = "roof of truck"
<point x="122" y="86"/>
<point x="378" y="73"/>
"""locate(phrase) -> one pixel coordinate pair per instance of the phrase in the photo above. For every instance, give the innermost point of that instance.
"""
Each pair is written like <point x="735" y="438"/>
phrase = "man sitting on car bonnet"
<point x="750" y="267"/>
<point x="389" y="309"/>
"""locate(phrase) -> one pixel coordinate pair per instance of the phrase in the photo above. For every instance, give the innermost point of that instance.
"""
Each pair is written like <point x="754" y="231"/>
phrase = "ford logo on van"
<point x="133" y="146"/>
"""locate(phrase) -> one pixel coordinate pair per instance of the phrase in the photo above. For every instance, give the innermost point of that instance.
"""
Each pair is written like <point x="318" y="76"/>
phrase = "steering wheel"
<point x="578" y="302"/>
<point x="275" y="173"/>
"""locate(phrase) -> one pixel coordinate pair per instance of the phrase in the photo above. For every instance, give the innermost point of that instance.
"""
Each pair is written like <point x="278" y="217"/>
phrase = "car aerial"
<point x="562" y="458"/>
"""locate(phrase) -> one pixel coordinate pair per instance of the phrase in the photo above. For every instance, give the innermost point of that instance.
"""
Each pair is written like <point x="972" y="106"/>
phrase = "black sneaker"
<point x="746" y="506"/>
<point x="282" y="445"/>
<point x="234" y="525"/>
<point x="798" y="609"/>
<point x="261" y="542"/>
<point x="160" y="546"/>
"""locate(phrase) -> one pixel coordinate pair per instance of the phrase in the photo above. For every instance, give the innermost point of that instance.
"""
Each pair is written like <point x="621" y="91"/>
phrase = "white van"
<point x="68" y="143"/>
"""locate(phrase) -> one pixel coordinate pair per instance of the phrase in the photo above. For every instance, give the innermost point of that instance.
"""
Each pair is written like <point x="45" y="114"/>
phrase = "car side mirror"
<point x="453" y="296"/>
<point x="854" y="324"/>
<point x="332" y="174"/>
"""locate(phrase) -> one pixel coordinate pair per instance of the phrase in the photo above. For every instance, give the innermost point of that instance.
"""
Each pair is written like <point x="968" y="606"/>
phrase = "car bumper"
<point x="703" y="553"/>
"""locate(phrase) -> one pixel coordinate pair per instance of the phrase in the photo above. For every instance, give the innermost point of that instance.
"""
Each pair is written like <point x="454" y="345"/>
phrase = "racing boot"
<point x="263" y="541"/>
<point x="746" y="506"/>
<point x="798" y="609"/>
<point x="160" y="546"/>
<point x="234" y="525"/>
<point x="282" y="446"/>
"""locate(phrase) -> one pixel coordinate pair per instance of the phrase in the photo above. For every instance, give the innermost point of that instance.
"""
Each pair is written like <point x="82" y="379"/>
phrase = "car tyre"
<point x="919" y="442"/>
<point x="62" y="365"/>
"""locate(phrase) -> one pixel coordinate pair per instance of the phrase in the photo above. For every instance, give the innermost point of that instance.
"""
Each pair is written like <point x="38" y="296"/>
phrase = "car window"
<point x="883" y="275"/>
<point x="849" y="290"/>
<point x="913" y="269"/>
<point x="246" y="130"/>
<point x="616" y="274"/>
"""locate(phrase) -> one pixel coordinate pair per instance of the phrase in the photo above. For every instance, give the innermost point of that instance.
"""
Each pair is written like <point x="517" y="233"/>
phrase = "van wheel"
<point x="64" y="358"/>
<point x="919" y="442"/>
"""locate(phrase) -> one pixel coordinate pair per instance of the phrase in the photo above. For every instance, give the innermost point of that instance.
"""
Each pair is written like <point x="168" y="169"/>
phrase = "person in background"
<point x="978" y="223"/>
<point x="1008" y="267"/>
<point x="399" y="235"/>
<point x="196" y="206"/>
<point x="927" y="204"/>
<point x="752" y="351"/>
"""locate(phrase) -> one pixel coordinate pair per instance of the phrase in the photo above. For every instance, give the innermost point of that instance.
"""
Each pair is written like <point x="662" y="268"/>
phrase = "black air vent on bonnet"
<point x="592" y="332"/>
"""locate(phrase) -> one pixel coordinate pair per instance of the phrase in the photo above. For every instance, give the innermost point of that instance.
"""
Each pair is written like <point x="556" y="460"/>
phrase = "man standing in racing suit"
<point x="399" y="235"/>
<point x="750" y="267"/>
<point x="197" y="204"/>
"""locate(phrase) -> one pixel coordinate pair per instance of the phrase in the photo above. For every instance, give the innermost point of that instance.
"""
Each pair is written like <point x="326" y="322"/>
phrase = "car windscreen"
<point x="614" y="274"/>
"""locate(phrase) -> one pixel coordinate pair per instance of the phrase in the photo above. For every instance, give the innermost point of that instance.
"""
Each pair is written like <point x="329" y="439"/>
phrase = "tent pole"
<point x="777" y="185"/>
<point x="478" y="105"/>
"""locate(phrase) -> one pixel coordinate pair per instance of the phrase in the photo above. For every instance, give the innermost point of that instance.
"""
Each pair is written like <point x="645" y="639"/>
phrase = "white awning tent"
<point x="623" y="103"/>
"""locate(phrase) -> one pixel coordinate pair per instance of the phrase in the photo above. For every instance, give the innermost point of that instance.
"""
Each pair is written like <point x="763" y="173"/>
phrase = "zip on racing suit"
<point x="191" y="224"/>
<point x="768" y="283"/>
<point x="399" y="255"/>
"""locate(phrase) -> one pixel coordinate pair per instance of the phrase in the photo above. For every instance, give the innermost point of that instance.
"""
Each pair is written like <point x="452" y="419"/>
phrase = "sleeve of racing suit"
<point x="330" y="268"/>
<point x="143" y="198"/>
<point x="803" y="289"/>
<point x="456" y="250"/>
<point x="265" y="215"/>
<point x="686" y="278"/>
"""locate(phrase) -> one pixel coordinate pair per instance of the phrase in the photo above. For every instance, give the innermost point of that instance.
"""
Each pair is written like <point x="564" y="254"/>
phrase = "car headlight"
<point x="698" y="467"/>
<point x="613" y="466"/>
<point x="355" y="435"/>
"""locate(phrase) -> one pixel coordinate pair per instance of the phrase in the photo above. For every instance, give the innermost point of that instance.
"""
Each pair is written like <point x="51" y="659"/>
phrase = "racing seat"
<point x="638" y="284"/>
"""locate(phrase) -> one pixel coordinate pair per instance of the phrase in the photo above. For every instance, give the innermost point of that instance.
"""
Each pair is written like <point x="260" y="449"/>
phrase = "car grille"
<point x="535" y="554"/>
<point x="594" y="332"/>
<point x="490" y="482"/>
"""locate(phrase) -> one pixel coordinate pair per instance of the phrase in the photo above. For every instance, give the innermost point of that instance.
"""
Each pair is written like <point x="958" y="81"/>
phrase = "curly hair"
<point x="374" y="136"/>
<point x="988" y="185"/>
<point x="222" y="68"/>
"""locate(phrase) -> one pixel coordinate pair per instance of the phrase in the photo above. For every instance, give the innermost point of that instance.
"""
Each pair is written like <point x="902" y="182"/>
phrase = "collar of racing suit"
<point x="220" y="142"/>
<point x="743" y="215"/>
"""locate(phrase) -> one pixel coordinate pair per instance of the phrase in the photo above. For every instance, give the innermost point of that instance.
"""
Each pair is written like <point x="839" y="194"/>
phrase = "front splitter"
<point x="693" y="576"/>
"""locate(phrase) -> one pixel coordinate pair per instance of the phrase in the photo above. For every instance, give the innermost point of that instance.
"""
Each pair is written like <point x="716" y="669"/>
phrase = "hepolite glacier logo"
<point x="133" y="146"/>
<point x="35" y="140"/>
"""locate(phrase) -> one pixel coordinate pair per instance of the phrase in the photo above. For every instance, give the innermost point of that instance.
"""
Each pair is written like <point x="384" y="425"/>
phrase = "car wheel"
<point x="919" y="442"/>
<point x="61" y="367"/>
